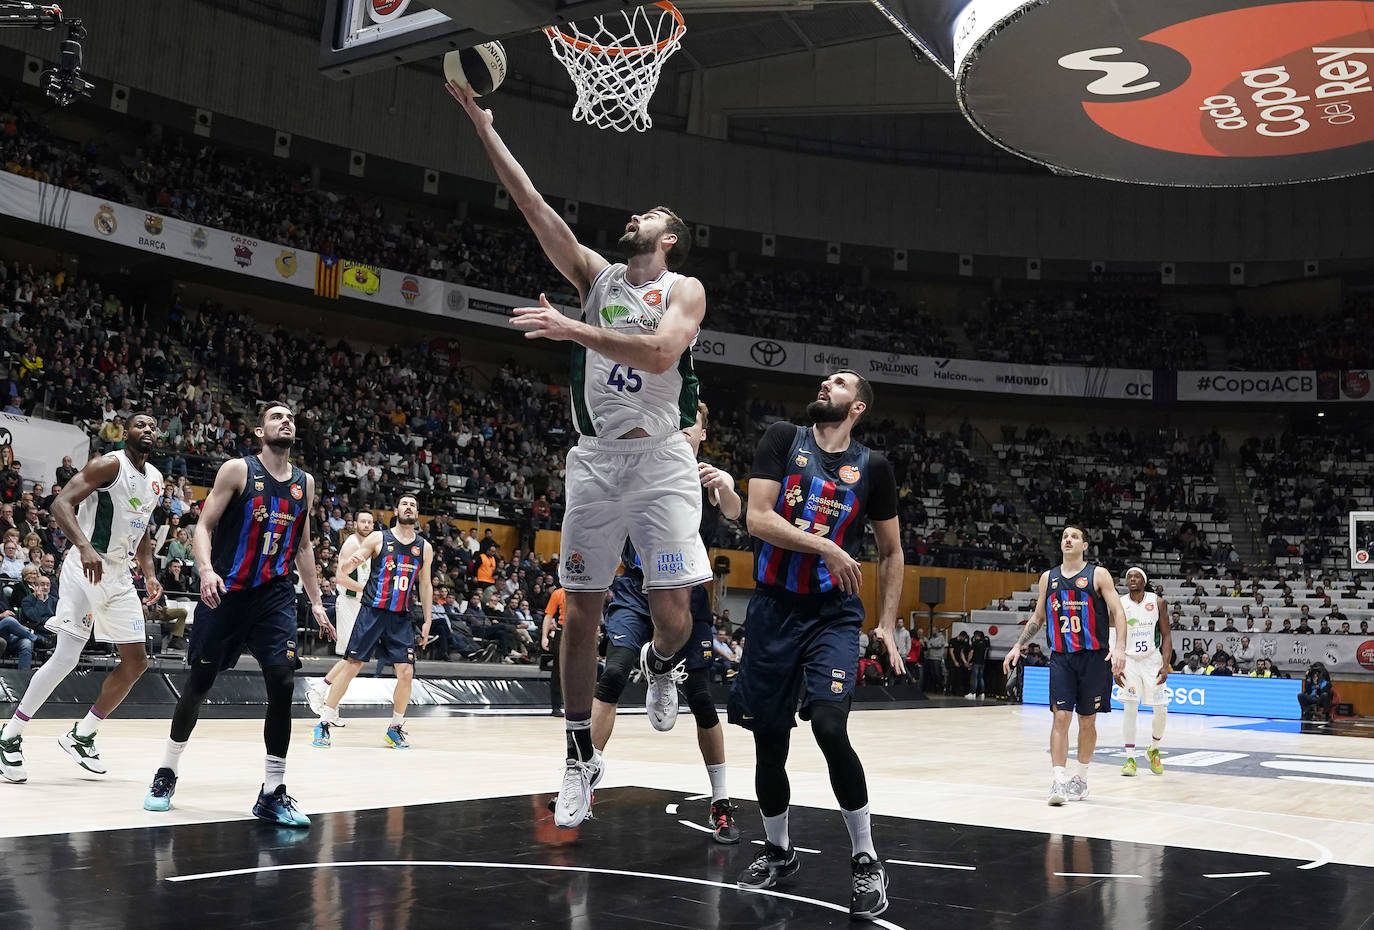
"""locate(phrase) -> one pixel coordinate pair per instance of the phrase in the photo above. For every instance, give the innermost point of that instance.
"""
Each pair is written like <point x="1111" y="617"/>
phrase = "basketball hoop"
<point x="615" y="64"/>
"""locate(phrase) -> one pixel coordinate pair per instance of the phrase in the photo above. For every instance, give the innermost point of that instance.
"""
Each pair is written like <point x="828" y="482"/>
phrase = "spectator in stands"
<point x="1287" y="626"/>
<point x="17" y="640"/>
<point x="1221" y="665"/>
<point x="179" y="549"/>
<point x="1035" y="656"/>
<point x="66" y="471"/>
<point x="1193" y="665"/>
<point x="1230" y="626"/>
<point x="1316" y="694"/>
<point x="961" y="663"/>
<point x="1246" y="656"/>
<point x="1002" y="604"/>
<point x="1303" y="627"/>
<point x="934" y="647"/>
<point x="1324" y="628"/>
<point x="1345" y="629"/>
<point x="902" y="637"/>
<point x="13" y="561"/>
<point x="38" y="608"/>
<point x="979" y="649"/>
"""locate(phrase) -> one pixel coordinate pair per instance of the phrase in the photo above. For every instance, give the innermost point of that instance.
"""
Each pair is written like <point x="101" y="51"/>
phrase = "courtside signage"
<point x="1200" y="694"/>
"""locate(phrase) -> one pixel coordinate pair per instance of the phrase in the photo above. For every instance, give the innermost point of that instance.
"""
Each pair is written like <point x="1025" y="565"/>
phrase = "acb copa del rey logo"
<point x="1177" y="92"/>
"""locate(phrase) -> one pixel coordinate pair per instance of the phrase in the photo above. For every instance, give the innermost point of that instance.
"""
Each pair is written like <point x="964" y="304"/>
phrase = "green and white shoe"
<point x="1129" y="768"/>
<point x="82" y="749"/>
<point x="1156" y="766"/>
<point x="12" y="760"/>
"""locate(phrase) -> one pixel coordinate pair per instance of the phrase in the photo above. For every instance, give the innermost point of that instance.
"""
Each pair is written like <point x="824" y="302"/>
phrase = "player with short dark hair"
<point x="346" y="608"/>
<point x="400" y="565"/>
<point x="810" y="491"/>
<point x="1080" y="602"/>
<point x="252" y="537"/>
<point x="105" y="510"/>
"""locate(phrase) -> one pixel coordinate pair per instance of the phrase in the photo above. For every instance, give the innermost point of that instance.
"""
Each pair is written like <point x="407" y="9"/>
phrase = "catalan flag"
<point x="327" y="276"/>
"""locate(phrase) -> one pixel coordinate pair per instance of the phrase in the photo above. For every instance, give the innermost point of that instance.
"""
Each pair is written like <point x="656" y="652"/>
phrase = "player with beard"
<point x="631" y="474"/>
<point x="104" y="510"/>
<point x="350" y="586"/>
<point x="252" y="538"/>
<point x="810" y="491"/>
<point x="400" y="560"/>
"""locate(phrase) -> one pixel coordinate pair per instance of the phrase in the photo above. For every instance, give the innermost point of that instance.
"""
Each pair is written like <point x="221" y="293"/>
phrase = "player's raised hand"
<point x="211" y="587"/>
<point x="1012" y="657"/>
<point x="896" y="662"/>
<point x="843" y="568"/>
<point x="544" y="321"/>
<point x="468" y="101"/>
<point x="322" y="621"/>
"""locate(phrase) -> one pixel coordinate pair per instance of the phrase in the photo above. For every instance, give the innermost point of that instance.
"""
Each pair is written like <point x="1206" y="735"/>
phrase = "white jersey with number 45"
<point x="609" y="399"/>
<point x="1142" y="624"/>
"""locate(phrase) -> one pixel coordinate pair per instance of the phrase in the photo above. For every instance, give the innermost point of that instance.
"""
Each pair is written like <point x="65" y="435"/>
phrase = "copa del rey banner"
<point x="150" y="232"/>
<point x="1327" y="386"/>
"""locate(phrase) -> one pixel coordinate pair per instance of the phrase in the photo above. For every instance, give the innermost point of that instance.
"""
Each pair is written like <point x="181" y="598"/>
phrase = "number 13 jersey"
<point x="609" y="399"/>
<point x="255" y="541"/>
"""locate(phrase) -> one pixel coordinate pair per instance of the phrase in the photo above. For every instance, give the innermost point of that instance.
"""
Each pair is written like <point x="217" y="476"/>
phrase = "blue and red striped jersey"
<point x="825" y="493"/>
<point x="395" y="568"/>
<point x="1076" y="615"/>
<point x="256" y="539"/>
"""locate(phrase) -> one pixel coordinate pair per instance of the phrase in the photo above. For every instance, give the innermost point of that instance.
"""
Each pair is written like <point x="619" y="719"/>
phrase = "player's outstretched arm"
<point x="305" y="565"/>
<point x="98" y="473"/>
<point x="891" y="568"/>
<point x="656" y="352"/>
<point x="1031" y="630"/>
<point x="579" y="264"/>
<point x="229" y="482"/>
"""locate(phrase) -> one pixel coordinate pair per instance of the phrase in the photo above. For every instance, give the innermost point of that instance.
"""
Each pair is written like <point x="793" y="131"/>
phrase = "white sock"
<point x="171" y="757"/>
<point x="775" y="828"/>
<point x="397" y="719"/>
<point x="717" y="775"/>
<point x="1060" y="773"/>
<point x="1080" y="768"/>
<point x="860" y="827"/>
<point x="275" y="774"/>
<point x="88" y="724"/>
<point x="1129" y="711"/>
<point x="329" y="715"/>
<point x="66" y="654"/>
<point x="1157" y="725"/>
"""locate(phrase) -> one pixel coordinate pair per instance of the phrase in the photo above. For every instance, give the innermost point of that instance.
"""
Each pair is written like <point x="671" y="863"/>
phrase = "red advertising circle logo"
<point x="992" y="631"/>
<point x="1365" y="654"/>
<point x="1362" y="556"/>
<point x="387" y="7"/>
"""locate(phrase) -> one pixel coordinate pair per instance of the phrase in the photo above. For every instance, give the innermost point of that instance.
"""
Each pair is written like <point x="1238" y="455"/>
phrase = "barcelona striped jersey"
<point x="256" y="539"/>
<point x="829" y="494"/>
<point x="391" y="577"/>
<point x="1076" y="614"/>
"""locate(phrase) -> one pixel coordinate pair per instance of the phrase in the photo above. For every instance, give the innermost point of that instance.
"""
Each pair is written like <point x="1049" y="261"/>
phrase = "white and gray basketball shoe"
<point x="574" y="800"/>
<point x="661" y="697"/>
<point x="1059" y="793"/>
<point x="1078" y="788"/>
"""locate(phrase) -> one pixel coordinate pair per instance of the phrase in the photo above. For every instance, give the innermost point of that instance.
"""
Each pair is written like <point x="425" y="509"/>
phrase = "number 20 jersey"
<point x="608" y="398"/>
<point x="1076" y="614"/>
<point x="255" y="541"/>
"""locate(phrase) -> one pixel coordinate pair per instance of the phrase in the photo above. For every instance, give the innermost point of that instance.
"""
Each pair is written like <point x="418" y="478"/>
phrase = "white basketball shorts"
<point x="1142" y="680"/>
<point x="644" y="489"/>
<point x="345" y="615"/>
<point x="111" y="609"/>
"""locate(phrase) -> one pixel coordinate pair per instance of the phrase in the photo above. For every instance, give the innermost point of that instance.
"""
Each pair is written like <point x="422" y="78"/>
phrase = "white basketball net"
<point x="615" y="61"/>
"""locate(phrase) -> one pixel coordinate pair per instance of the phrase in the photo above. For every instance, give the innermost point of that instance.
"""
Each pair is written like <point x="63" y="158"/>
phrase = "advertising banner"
<point x="39" y="445"/>
<point x="1200" y="694"/>
<point x="1275" y="386"/>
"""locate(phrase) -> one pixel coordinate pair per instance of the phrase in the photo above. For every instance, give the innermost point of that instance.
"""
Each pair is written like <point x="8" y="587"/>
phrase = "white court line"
<point x="814" y="852"/>
<point x="1327" y="781"/>
<point x="1234" y="874"/>
<point x="1289" y="755"/>
<point x="1098" y="875"/>
<point x="698" y="797"/>
<point x="843" y="909"/>
<point x="670" y="809"/>
<point x="932" y="865"/>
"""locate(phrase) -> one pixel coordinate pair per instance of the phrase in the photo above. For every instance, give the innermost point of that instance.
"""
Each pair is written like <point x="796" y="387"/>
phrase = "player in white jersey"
<point x="1148" y="647"/>
<point x="105" y="511"/>
<point x="631" y="473"/>
<point x="350" y="587"/>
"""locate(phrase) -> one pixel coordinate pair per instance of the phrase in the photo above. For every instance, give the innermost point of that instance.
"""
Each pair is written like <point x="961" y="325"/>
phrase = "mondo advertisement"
<point x="1206" y="93"/>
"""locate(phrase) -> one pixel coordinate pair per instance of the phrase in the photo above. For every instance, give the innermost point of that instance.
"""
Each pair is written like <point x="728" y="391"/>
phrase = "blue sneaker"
<point x="321" y="735"/>
<point x="396" y="737"/>
<point x="279" y="808"/>
<point x="160" y="794"/>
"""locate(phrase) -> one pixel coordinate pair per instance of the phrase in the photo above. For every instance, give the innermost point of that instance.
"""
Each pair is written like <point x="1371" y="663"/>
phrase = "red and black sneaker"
<point x="722" y="821"/>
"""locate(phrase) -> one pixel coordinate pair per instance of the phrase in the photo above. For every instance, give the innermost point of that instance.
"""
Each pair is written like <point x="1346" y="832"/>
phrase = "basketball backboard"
<point x="1362" y="539"/>
<point x="359" y="36"/>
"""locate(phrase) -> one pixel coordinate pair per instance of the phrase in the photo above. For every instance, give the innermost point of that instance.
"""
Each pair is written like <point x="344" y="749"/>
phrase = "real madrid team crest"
<point x="105" y="222"/>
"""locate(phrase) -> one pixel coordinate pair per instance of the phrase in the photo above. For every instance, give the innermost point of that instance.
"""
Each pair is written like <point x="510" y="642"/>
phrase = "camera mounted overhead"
<point x="63" y="83"/>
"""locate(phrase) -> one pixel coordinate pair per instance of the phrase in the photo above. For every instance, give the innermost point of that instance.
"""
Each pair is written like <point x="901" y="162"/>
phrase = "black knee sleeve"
<point x="280" y="681"/>
<point x="698" y="689"/>
<point x="830" y="726"/>
<point x="194" y="688"/>
<point x="770" y="771"/>
<point x="620" y="660"/>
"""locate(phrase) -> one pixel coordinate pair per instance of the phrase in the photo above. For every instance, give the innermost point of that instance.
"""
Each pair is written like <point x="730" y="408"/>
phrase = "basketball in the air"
<point x="483" y="67"/>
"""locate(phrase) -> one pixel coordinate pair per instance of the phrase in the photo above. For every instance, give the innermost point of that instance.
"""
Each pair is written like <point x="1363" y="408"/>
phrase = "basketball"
<point x="483" y="67"/>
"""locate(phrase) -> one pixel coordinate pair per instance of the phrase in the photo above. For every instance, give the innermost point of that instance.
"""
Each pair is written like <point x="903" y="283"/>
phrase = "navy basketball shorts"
<point x="629" y="624"/>
<point x="797" y="647"/>
<point x="1081" y="682"/>
<point x="383" y="634"/>
<point x="261" y="619"/>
